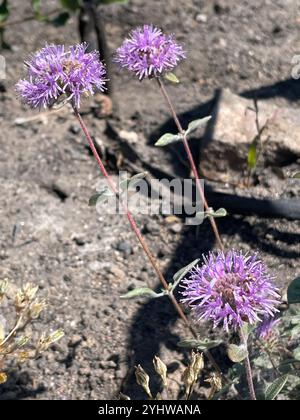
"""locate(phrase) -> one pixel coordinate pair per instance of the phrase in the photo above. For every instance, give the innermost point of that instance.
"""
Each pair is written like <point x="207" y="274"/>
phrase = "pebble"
<point x="125" y="248"/>
<point x="74" y="129"/>
<point x="176" y="228"/>
<point x="201" y="18"/>
<point x="108" y="364"/>
<point x="79" y="240"/>
<point x="130" y="136"/>
<point x="151" y="227"/>
<point x="117" y="273"/>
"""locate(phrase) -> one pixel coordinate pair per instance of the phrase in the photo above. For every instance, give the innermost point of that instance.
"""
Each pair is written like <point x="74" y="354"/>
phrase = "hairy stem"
<point x="247" y="364"/>
<point x="130" y="218"/>
<point x="191" y="160"/>
<point x="140" y="237"/>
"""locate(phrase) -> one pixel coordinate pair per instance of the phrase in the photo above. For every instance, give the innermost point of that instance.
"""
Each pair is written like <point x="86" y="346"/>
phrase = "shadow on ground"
<point x="153" y="323"/>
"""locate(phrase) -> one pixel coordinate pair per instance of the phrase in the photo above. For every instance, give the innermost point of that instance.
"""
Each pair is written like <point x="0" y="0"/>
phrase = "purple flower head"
<point x="147" y="52"/>
<point x="53" y="72"/>
<point x="230" y="288"/>
<point x="267" y="329"/>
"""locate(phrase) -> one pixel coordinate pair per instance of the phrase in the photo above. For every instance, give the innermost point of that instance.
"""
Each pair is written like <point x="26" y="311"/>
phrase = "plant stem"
<point x="130" y="218"/>
<point x="247" y="364"/>
<point x="140" y="237"/>
<point x="191" y="159"/>
<point x="270" y="358"/>
<point x="27" y="18"/>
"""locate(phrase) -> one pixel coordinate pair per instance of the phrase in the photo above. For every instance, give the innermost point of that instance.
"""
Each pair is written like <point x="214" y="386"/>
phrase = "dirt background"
<point x="82" y="260"/>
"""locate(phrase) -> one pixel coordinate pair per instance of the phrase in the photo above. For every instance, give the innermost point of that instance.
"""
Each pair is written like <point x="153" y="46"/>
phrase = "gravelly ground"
<point x="72" y="252"/>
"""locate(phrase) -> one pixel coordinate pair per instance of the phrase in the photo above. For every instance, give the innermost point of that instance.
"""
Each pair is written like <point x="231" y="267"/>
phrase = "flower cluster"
<point x="267" y="329"/>
<point x="230" y="288"/>
<point x="15" y="340"/>
<point x="147" y="52"/>
<point x="54" y="72"/>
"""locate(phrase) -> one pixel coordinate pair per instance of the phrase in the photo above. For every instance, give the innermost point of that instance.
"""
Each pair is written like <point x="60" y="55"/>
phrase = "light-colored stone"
<point x="233" y="128"/>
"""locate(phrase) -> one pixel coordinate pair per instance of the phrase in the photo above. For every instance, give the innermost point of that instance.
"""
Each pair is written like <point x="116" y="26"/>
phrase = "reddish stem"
<point x="248" y="369"/>
<point x="140" y="237"/>
<point x="191" y="160"/>
<point x="130" y="218"/>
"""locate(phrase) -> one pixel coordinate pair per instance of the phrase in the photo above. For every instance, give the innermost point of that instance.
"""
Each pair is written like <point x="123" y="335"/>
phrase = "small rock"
<point x="84" y="371"/>
<point x="130" y="136"/>
<point x="117" y="273"/>
<point x="226" y="146"/>
<point x="74" y="340"/>
<point x="176" y="228"/>
<point x="151" y="227"/>
<point x="108" y="364"/>
<point x="122" y="371"/>
<point x="125" y="248"/>
<point x="74" y="129"/>
<point x="95" y="266"/>
<point x="201" y="18"/>
<point x="79" y="240"/>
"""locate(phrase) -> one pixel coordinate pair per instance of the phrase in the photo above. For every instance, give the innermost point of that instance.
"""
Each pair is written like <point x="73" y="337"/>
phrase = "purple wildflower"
<point x="147" y="52"/>
<point x="230" y="288"/>
<point x="267" y="329"/>
<point x="53" y="72"/>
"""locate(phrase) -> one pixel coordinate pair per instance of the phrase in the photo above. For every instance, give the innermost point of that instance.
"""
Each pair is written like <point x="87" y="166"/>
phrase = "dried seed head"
<point x="215" y="381"/>
<point x="3" y="377"/>
<point x="161" y="370"/>
<point x="25" y="296"/>
<point x="2" y="328"/>
<point x="3" y="288"/>
<point x="123" y="396"/>
<point x="142" y="379"/>
<point x="36" y="308"/>
<point x="46" y="340"/>
<point x="189" y="378"/>
<point x="23" y="356"/>
<point x="197" y="363"/>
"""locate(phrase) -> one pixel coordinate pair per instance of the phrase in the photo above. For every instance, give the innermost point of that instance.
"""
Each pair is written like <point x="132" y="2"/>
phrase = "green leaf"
<point x="140" y="292"/>
<point x="201" y="345"/>
<point x="60" y="20"/>
<point x="101" y="196"/>
<point x="296" y="353"/>
<point x="296" y="175"/>
<point x="194" y="125"/>
<point x="183" y="271"/>
<point x="171" y="77"/>
<point x="237" y="353"/>
<point x="218" y="213"/>
<point x="36" y="5"/>
<point x="252" y="155"/>
<point x="4" y="11"/>
<point x="71" y="5"/>
<point x="211" y="213"/>
<point x="274" y="389"/>
<point x="168" y="138"/>
<point x="293" y="292"/>
<point x="263" y="362"/>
